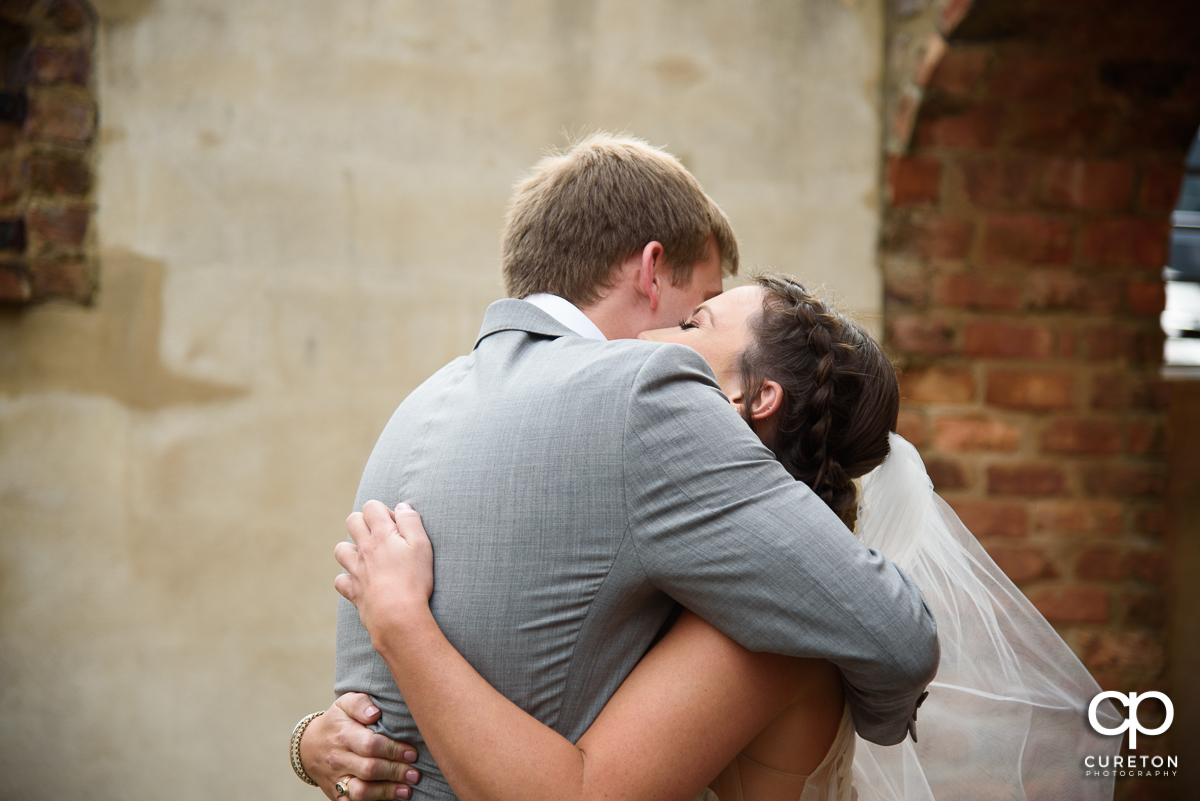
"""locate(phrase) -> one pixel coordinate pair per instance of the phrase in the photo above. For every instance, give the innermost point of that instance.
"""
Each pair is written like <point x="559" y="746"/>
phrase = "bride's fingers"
<point x="344" y="585"/>
<point x="408" y="521"/>
<point x="378" y="518"/>
<point x="346" y="554"/>
<point x="376" y="791"/>
<point x="356" y="527"/>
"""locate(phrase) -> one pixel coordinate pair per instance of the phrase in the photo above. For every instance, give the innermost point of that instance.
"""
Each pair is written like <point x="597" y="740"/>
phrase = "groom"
<point x="576" y="489"/>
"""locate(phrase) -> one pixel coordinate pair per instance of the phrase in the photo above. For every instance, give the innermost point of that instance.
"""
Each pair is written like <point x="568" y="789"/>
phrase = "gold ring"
<point x="343" y="787"/>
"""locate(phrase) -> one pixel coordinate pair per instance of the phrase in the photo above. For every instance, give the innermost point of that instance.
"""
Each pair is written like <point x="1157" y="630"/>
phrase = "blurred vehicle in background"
<point x="1181" y="319"/>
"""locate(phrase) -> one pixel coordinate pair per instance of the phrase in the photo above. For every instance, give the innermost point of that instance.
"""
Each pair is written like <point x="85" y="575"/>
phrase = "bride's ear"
<point x="766" y="403"/>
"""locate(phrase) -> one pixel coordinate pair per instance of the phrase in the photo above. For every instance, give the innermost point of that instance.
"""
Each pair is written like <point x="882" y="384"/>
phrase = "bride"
<point x="1006" y="715"/>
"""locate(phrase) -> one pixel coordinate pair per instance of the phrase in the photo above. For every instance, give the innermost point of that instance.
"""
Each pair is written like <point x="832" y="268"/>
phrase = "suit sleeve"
<point x="720" y="526"/>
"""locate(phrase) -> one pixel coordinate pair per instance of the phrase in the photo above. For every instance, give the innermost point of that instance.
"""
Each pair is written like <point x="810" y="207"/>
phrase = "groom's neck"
<point x="616" y="317"/>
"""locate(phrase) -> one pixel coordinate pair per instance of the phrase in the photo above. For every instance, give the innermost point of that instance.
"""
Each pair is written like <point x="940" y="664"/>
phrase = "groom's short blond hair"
<point x="585" y="210"/>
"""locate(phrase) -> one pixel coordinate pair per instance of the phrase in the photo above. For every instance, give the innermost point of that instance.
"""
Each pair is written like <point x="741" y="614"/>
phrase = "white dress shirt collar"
<point x="566" y="313"/>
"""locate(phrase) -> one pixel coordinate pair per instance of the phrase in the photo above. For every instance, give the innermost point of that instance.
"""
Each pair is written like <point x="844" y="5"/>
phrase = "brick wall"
<point x="1037" y="153"/>
<point x="47" y="125"/>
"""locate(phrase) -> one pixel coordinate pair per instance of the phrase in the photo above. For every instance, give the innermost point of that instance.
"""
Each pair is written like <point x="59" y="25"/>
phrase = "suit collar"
<point x="510" y="314"/>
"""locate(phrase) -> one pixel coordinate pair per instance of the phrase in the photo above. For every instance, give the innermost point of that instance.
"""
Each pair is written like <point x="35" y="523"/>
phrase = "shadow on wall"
<point x="109" y="349"/>
<point x="118" y="11"/>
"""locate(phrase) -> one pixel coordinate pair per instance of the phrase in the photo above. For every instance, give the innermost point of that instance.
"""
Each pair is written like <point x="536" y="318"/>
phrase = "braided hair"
<point x="840" y="396"/>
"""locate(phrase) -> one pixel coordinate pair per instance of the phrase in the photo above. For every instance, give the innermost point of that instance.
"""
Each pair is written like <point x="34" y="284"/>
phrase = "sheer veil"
<point x="1006" y="716"/>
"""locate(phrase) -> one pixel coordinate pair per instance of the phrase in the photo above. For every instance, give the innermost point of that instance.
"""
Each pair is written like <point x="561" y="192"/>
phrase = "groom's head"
<point x="615" y="219"/>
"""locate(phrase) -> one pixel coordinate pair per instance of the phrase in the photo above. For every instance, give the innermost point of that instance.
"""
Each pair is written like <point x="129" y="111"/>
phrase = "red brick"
<point x="1060" y="128"/>
<point x="1144" y="609"/>
<point x="1007" y="341"/>
<point x="1035" y="78"/>
<point x="945" y="474"/>
<point x="69" y="15"/>
<point x="1027" y="239"/>
<point x="921" y="335"/>
<point x="60" y="119"/>
<point x="61" y="226"/>
<point x="1115" y="480"/>
<point x="959" y="70"/>
<point x="1110" y="651"/>
<point x="52" y="65"/>
<point x="913" y="180"/>
<point x="1089" y="185"/>
<point x="939" y="238"/>
<point x="1152" y="521"/>
<point x="975" y="433"/>
<point x="911" y="425"/>
<point x="993" y="518"/>
<point x="1148" y="566"/>
<point x="1107" y="342"/>
<point x="1091" y="437"/>
<point x="1101" y="563"/>
<point x="1129" y="392"/>
<point x="1022" y="564"/>
<point x="1067" y="344"/>
<point x="1026" y="479"/>
<point x="1037" y="391"/>
<point x="1127" y="243"/>
<point x="1054" y="290"/>
<point x="975" y="128"/>
<point x="906" y="286"/>
<point x="1001" y="183"/>
<point x="14" y="284"/>
<point x="15" y="10"/>
<point x="63" y="279"/>
<point x="1079" y="517"/>
<point x="1160" y="187"/>
<point x="1146" y="436"/>
<point x="1165" y="131"/>
<point x="965" y="291"/>
<point x="59" y="175"/>
<point x="12" y="178"/>
<point x="1146" y="346"/>
<point x="1147" y="298"/>
<point x="937" y="385"/>
<point x="1073" y="605"/>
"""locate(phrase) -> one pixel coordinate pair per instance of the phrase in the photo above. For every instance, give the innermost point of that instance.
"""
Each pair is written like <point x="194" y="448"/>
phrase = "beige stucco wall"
<point x="298" y="212"/>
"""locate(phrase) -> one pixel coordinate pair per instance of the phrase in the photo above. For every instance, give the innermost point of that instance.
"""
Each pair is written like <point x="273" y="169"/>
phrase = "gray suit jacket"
<point x="574" y="490"/>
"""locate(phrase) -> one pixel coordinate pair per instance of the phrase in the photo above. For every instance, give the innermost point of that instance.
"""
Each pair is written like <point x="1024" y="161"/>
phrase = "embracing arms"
<point x="683" y="713"/>
<point x="721" y="527"/>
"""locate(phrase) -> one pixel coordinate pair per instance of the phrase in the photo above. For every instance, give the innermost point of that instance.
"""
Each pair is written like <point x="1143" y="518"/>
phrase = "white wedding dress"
<point x="1006" y="716"/>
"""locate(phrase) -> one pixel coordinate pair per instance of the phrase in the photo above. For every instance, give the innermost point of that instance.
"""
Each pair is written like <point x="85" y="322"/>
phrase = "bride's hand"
<point x="389" y="566"/>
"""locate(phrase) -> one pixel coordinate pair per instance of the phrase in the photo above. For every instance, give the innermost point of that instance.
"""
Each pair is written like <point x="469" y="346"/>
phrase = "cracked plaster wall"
<point x="298" y="208"/>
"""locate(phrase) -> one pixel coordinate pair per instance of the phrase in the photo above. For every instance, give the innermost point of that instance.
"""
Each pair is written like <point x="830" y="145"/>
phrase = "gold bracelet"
<point x="297" y="733"/>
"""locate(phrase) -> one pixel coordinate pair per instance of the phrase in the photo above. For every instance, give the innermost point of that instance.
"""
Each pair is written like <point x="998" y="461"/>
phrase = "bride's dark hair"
<point x="840" y="396"/>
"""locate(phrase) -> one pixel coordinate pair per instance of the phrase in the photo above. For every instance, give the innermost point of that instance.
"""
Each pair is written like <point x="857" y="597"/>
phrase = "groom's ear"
<point x="652" y="264"/>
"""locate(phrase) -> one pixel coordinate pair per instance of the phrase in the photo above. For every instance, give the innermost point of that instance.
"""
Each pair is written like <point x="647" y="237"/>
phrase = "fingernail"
<point x="411" y="776"/>
<point x="372" y="711"/>
<point x="403" y="792"/>
<point x="404" y="506"/>
<point x="410" y="756"/>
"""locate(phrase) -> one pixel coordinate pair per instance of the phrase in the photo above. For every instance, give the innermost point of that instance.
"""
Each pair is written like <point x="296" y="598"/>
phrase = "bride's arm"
<point x="680" y="716"/>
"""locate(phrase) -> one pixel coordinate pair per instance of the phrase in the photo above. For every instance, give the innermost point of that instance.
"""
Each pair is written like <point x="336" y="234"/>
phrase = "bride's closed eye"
<point x="686" y="324"/>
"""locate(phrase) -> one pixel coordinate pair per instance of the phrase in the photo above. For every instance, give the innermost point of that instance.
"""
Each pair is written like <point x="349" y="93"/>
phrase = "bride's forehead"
<point x="742" y="300"/>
